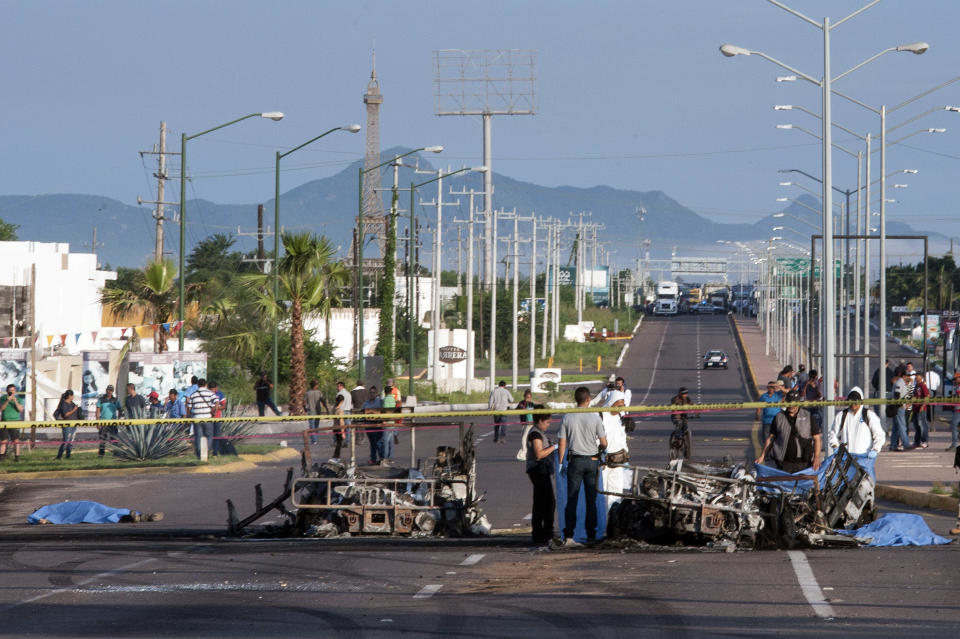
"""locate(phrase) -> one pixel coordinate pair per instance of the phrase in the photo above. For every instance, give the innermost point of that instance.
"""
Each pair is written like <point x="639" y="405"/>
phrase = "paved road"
<point x="179" y="577"/>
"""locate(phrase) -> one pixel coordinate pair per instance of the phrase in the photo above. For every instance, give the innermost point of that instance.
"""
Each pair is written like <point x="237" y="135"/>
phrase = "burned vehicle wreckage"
<point x="435" y="496"/>
<point x="732" y="504"/>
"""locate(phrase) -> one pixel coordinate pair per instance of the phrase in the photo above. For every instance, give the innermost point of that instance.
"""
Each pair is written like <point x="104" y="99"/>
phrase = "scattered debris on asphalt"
<point x="726" y="506"/>
<point x="330" y="499"/>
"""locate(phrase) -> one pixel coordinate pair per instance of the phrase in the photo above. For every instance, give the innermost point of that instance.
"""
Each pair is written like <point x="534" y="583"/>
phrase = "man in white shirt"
<point x="614" y="477"/>
<point x="856" y="427"/>
<point x="627" y="393"/>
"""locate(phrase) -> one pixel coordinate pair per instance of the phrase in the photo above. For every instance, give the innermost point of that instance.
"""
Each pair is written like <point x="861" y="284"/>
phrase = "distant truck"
<point x="667" y="299"/>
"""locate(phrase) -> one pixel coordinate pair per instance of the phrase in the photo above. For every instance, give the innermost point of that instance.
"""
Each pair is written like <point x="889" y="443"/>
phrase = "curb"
<point x="918" y="499"/>
<point x="746" y="355"/>
<point x="245" y="463"/>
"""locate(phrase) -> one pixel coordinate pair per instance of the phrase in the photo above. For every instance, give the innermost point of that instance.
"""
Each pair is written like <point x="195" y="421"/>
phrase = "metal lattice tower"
<point x="374" y="218"/>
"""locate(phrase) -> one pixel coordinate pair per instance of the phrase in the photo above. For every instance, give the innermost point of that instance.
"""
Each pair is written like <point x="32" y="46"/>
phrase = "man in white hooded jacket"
<point x="858" y="428"/>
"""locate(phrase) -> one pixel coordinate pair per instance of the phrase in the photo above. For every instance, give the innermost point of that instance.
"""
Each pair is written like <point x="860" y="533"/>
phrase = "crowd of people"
<point x="201" y="399"/>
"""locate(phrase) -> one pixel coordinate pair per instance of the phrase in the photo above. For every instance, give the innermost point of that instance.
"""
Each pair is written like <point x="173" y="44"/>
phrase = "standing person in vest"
<point x="541" y="471"/>
<point x="795" y="440"/>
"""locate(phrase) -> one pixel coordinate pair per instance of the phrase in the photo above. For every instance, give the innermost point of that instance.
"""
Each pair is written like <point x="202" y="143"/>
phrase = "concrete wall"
<point x="341" y="331"/>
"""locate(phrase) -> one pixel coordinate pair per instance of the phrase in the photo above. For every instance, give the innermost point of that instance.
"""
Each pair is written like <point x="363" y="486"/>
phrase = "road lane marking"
<point x="653" y="371"/>
<point x="428" y="591"/>
<point x="83" y="582"/>
<point x="472" y="559"/>
<point x="809" y="586"/>
<point x="528" y="516"/>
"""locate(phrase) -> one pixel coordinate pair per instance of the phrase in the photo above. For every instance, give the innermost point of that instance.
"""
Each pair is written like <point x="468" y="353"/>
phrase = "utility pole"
<point x="533" y="294"/>
<point x="471" y="344"/>
<point x="260" y="235"/>
<point x="161" y="175"/>
<point x="546" y="288"/>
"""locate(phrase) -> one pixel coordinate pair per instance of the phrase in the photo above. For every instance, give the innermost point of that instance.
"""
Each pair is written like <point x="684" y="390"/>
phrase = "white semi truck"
<point x="667" y="299"/>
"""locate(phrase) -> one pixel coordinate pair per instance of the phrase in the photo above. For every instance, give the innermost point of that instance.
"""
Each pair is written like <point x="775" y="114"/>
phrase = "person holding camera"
<point x="12" y="411"/>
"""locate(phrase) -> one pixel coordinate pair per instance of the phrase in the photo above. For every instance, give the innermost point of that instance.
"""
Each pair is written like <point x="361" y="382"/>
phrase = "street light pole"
<point x="360" y="239"/>
<point x="353" y="128"/>
<point x="410" y="323"/>
<point x="271" y="115"/>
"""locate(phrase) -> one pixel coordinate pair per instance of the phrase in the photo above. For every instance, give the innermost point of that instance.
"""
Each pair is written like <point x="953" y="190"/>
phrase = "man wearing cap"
<point x="108" y="407"/>
<point x="860" y="429"/>
<point x="898" y="431"/>
<point x="774" y="395"/>
<point x="795" y="439"/>
<point x="154" y="408"/>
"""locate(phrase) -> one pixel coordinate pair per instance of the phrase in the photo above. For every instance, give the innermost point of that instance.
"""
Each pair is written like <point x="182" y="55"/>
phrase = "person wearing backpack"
<point x="857" y="427"/>
<point x="795" y="439"/>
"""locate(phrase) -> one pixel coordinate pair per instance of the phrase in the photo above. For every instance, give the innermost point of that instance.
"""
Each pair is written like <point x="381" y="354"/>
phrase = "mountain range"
<point x="125" y="232"/>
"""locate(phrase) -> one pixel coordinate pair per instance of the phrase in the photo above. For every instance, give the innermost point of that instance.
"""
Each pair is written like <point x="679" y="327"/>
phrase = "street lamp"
<point x="352" y="128"/>
<point x="410" y="323"/>
<point x="827" y="287"/>
<point x="270" y="115"/>
<point x="360" y="239"/>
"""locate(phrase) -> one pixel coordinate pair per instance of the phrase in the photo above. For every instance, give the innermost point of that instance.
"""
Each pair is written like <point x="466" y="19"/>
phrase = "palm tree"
<point x="153" y="295"/>
<point x="305" y="273"/>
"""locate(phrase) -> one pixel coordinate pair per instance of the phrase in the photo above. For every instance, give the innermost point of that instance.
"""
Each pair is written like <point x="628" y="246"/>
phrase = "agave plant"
<point x="151" y="441"/>
<point x="233" y="432"/>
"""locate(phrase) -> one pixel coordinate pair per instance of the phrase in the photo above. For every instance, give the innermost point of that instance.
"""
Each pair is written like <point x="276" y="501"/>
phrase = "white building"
<point x="67" y="292"/>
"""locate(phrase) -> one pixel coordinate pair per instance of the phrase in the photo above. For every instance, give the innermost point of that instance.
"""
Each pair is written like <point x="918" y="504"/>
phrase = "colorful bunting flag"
<point x="6" y="342"/>
<point x="93" y="336"/>
<point x="123" y="332"/>
<point x="166" y="326"/>
<point x="63" y="339"/>
<point x="76" y="338"/>
<point x="49" y="339"/>
<point x="21" y="340"/>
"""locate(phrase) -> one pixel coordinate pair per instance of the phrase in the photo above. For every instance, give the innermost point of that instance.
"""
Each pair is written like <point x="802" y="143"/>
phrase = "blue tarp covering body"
<point x="580" y="532"/>
<point x="865" y="462"/>
<point x="898" y="529"/>
<point x="78" y="512"/>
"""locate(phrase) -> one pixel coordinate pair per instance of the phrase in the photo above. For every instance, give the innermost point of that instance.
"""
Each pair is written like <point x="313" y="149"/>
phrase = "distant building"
<point x="67" y="295"/>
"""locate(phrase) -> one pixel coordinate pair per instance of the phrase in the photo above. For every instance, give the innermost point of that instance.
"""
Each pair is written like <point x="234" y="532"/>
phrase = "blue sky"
<point x="631" y="94"/>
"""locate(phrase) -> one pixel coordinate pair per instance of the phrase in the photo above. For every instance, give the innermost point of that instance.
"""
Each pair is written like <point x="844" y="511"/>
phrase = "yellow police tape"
<point x="662" y="408"/>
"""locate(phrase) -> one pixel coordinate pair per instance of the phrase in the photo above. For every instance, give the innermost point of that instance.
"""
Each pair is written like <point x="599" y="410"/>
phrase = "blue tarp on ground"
<point x="898" y="529"/>
<point x="77" y="512"/>
<point x="865" y="462"/>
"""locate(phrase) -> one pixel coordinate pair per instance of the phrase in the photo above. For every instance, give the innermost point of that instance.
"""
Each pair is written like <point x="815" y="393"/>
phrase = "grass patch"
<point x="43" y="458"/>
<point x="940" y="489"/>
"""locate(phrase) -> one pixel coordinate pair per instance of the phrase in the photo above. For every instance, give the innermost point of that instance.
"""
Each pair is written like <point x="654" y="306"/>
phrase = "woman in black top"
<point x="541" y="470"/>
<point x="67" y="411"/>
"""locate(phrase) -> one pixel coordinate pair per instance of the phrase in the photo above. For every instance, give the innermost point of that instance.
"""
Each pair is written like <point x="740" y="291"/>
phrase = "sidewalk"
<point x="907" y="477"/>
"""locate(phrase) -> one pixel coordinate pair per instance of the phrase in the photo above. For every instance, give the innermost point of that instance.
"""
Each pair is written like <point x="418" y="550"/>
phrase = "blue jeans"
<point x="70" y="433"/>
<point x="921" y="428"/>
<point x="386" y="442"/>
<point x="954" y="421"/>
<point x="374" y="436"/>
<point x="499" y="428"/>
<point x="898" y="435"/>
<point x="202" y="429"/>
<point x="314" y="423"/>
<point x="581" y="470"/>
<point x="262" y="406"/>
<point x="216" y="444"/>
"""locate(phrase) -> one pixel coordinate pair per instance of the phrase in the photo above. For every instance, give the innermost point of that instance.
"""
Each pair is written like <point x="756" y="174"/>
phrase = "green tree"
<point x="153" y="293"/>
<point x="385" y="333"/>
<point x="304" y="274"/>
<point x="8" y="231"/>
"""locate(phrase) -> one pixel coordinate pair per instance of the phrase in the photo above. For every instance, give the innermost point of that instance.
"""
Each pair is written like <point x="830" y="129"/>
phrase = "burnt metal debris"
<point x="331" y="499"/>
<point x="727" y="504"/>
